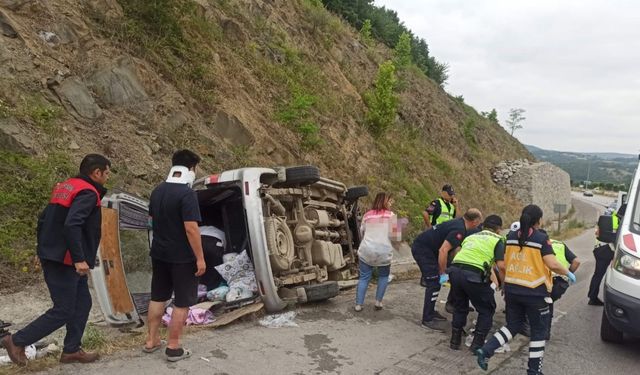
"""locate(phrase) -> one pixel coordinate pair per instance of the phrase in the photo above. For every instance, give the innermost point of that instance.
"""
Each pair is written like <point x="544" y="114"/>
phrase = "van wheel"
<point x="609" y="333"/>
<point x="279" y="243"/>
<point x="322" y="291"/>
<point x="356" y="192"/>
<point x="301" y="175"/>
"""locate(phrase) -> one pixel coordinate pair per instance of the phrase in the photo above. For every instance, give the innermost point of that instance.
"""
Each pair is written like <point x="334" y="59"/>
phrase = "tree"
<point x="402" y="51"/>
<point x="491" y="116"/>
<point x="365" y="32"/>
<point x="515" y="119"/>
<point x="382" y="100"/>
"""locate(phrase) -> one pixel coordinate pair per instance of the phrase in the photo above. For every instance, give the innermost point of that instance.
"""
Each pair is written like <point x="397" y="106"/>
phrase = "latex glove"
<point x="571" y="277"/>
<point x="444" y="278"/>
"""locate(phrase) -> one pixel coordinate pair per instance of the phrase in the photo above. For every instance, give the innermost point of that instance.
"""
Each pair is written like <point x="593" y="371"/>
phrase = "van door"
<point x="119" y="212"/>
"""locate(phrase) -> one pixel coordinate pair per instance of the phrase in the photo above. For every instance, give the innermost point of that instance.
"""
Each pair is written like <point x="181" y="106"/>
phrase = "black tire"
<point x="356" y="192"/>
<point x="609" y="333"/>
<point x="301" y="175"/>
<point x="322" y="291"/>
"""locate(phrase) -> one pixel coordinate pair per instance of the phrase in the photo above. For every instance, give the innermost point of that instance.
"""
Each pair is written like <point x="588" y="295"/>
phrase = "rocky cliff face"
<point x="260" y="82"/>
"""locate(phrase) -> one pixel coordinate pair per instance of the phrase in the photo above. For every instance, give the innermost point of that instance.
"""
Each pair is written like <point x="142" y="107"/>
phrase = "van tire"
<point x="356" y="192"/>
<point x="322" y="291"/>
<point x="301" y="175"/>
<point x="609" y="333"/>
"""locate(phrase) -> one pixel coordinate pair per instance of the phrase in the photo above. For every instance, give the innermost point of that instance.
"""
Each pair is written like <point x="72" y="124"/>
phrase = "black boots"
<point x="456" y="338"/>
<point x="478" y="341"/>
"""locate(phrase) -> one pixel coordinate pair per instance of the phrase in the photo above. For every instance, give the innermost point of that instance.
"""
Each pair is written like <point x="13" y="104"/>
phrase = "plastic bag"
<point x="238" y="293"/>
<point x="279" y="320"/>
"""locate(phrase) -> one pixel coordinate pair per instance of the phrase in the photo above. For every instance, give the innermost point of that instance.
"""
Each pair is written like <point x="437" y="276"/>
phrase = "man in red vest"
<point x="68" y="234"/>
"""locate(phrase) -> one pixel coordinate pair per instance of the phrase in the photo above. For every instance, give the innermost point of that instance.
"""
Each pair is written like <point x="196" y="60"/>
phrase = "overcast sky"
<point x="574" y="66"/>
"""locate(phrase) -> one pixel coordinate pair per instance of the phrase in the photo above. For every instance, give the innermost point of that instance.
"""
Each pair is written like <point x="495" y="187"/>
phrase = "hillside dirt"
<point x="81" y="76"/>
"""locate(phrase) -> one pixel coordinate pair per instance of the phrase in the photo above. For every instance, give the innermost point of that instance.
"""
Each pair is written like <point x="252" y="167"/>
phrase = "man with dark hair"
<point x="68" y="233"/>
<point x="441" y="209"/>
<point x="176" y="253"/>
<point x="430" y="250"/>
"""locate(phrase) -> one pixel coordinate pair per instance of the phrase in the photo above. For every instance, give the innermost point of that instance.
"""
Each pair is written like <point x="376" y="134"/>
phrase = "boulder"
<point x="118" y="84"/>
<point x="13" y="139"/>
<point x="6" y="26"/>
<point x="73" y="93"/>
<point x="232" y="129"/>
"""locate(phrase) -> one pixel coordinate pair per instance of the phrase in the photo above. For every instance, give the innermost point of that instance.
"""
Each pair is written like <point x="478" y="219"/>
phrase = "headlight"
<point x="627" y="264"/>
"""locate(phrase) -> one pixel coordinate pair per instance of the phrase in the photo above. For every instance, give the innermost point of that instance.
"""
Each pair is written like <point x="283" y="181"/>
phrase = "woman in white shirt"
<point x="379" y="227"/>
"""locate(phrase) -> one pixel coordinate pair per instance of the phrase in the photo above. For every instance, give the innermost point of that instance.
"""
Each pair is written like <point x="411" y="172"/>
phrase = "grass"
<point x="25" y="184"/>
<point x="93" y="338"/>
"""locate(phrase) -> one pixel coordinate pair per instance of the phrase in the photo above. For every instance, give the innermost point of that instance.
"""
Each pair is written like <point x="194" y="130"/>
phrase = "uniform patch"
<point x="459" y="236"/>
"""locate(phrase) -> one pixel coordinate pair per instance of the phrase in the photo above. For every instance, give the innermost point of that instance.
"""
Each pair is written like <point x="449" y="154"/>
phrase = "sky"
<point x="574" y="66"/>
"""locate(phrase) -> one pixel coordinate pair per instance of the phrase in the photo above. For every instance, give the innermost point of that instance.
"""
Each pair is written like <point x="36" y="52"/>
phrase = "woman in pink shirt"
<point x="379" y="227"/>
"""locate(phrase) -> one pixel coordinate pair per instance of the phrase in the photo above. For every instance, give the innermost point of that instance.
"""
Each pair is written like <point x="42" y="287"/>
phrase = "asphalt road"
<point x="331" y="338"/>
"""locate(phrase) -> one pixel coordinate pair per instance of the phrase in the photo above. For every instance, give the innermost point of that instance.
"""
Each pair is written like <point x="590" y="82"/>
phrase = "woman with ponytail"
<point x="529" y="259"/>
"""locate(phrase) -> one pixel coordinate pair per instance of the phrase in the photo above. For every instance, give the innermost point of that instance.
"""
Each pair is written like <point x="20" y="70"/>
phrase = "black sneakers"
<point x="596" y="302"/>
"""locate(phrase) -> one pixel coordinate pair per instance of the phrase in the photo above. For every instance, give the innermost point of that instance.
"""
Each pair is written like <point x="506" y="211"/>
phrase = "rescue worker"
<point x="430" y="250"/>
<point x="560" y="284"/>
<point x="529" y="260"/>
<point x="441" y="209"/>
<point x="603" y="253"/>
<point x="470" y="275"/>
<point x="68" y="233"/>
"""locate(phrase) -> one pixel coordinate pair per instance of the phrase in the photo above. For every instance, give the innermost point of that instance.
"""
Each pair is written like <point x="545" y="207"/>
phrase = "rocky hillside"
<point x="245" y="82"/>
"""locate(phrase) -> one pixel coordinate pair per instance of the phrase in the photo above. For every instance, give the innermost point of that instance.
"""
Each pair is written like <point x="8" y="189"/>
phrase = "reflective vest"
<point x="446" y="212"/>
<point x="559" y="249"/>
<point x="64" y="193"/>
<point x="615" y="221"/>
<point x="525" y="267"/>
<point x="478" y="249"/>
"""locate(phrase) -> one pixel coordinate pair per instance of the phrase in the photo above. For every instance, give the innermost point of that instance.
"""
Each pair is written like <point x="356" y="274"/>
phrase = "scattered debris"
<point x="279" y="320"/>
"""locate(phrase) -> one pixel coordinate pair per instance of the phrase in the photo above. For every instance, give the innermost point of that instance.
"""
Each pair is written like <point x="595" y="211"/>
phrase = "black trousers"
<point x="468" y="286"/>
<point x="71" y="306"/>
<point x="428" y="263"/>
<point x="519" y="309"/>
<point x="604" y="256"/>
<point x="212" y="257"/>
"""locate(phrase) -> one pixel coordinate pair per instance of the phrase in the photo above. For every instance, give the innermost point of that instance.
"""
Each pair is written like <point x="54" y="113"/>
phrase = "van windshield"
<point x="635" y="223"/>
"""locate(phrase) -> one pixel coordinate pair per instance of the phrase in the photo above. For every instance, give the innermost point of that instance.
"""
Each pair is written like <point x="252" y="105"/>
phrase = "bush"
<point x="297" y="114"/>
<point x="365" y="33"/>
<point x="25" y="185"/>
<point x="382" y="101"/>
<point x="402" y="51"/>
<point x="468" y="131"/>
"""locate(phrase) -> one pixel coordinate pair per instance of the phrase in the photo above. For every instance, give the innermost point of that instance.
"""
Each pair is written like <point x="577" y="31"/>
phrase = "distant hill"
<point x="609" y="167"/>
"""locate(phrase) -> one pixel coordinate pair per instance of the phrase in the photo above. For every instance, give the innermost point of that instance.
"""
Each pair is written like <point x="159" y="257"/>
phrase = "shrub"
<point x="402" y="51"/>
<point x="297" y="114"/>
<point x="365" y="33"/>
<point x="382" y="100"/>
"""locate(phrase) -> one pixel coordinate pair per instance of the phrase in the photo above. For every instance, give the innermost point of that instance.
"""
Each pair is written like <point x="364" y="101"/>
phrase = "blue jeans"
<point x="365" y="276"/>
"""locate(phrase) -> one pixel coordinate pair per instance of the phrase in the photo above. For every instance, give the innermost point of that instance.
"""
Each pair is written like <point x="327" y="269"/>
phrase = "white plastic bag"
<point x="279" y="320"/>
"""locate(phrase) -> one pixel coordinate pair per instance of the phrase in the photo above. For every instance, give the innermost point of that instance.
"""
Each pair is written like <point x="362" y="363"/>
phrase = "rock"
<point x="50" y="38"/>
<point x="142" y="132"/>
<point x="176" y="121"/>
<point x="14" y="4"/>
<point x="147" y="149"/>
<point x="6" y="26"/>
<point x="73" y="146"/>
<point x="232" y="129"/>
<point x="13" y="139"/>
<point x="233" y="31"/>
<point x="74" y="93"/>
<point x="118" y="84"/>
<point x="105" y="9"/>
<point x="155" y="147"/>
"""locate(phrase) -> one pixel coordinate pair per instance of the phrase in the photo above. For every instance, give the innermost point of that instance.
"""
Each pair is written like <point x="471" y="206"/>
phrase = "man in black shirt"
<point x="430" y="249"/>
<point x="442" y="209"/>
<point x="176" y="253"/>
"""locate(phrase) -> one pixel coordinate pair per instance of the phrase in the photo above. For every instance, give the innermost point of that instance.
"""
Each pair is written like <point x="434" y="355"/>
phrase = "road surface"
<point x="333" y="339"/>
